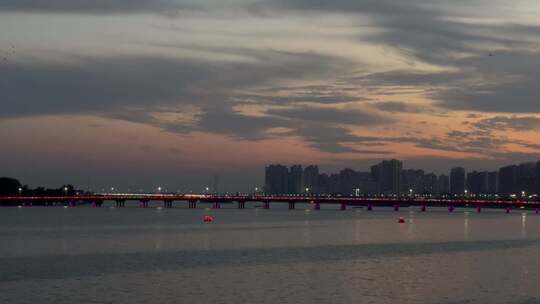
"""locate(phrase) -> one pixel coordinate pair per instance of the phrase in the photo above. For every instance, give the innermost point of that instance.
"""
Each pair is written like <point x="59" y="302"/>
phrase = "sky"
<point x="136" y="94"/>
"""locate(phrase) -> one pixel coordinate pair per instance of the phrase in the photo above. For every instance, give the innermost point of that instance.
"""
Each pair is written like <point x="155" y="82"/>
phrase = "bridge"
<point x="315" y="201"/>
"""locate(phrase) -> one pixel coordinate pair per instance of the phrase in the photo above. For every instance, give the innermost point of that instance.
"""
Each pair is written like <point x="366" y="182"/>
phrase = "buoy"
<point x="537" y="210"/>
<point x="208" y="219"/>
<point x="401" y="220"/>
<point x="507" y="209"/>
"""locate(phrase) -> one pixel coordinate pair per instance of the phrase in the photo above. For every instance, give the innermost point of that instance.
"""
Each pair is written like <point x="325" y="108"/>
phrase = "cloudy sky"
<point x="140" y="93"/>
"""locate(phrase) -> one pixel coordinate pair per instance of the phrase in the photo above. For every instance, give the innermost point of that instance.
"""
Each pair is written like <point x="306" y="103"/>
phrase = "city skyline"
<point x="389" y="177"/>
<point x="173" y="92"/>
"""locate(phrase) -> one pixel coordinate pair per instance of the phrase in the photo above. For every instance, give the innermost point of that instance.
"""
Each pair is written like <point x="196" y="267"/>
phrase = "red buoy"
<point x="401" y="220"/>
<point x="208" y="219"/>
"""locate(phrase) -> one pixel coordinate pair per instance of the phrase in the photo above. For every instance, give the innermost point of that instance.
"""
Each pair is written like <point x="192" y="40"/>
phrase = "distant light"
<point x="159" y="189"/>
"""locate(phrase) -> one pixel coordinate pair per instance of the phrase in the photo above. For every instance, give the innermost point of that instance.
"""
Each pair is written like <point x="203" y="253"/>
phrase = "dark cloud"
<point x="514" y="123"/>
<point x="332" y="115"/>
<point x="96" y="6"/>
<point x="111" y="85"/>
<point x="398" y="107"/>
<point x="334" y="139"/>
<point x="135" y="89"/>
<point x="435" y="32"/>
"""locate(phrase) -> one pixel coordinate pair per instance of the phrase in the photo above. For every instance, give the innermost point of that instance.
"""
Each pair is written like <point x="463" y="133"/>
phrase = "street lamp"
<point x="159" y="189"/>
<point x="20" y="190"/>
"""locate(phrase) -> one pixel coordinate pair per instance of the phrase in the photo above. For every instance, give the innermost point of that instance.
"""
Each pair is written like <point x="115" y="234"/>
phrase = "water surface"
<point x="133" y="255"/>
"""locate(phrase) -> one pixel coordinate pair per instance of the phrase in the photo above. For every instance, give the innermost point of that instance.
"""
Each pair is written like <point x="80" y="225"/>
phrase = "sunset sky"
<point x="140" y="93"/>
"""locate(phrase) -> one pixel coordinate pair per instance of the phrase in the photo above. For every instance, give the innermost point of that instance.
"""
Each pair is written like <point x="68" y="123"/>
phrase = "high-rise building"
<point x="493" y="182"/>
<point x="477" y="182"/>
<point x="348" y="181"/>
<point x="508" y="180"/>
<point x="412" y="181"/>
<point x="526" y="177"/>
<point x="429" y="184"/>
<point x="389" y="176"/>
<point x="334" y="186"/>
<point x="324" y="184"/>
<point x="537" y="191"/>
<point x="457" y="181"/>
<point x="311" y="179"/>
<point x="366" y="184"/>
<point x="276" y="179"/>
<point x="443" y="184"/>
<point x="295" y="180"/>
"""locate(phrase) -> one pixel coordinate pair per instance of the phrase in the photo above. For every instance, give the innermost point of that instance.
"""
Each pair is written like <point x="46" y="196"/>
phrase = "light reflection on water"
<point x="134" y="255"/>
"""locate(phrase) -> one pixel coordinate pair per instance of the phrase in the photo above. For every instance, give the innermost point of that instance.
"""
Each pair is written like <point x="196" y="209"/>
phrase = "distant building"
<point x="537" y="191"/>
<point x="412" y="181"/>
<point x="508" y="180"/>
<point x="276" y="179"/>
<point x="443" y="184"/>
<point x="526" y="177"/>
<point x="311" y="179"/>
<point x="493" y="182"/>
<point x="348" y="181"/>
<point x="295" y="181"/>
<point x="477" y="182"/>
<point x="366" y="184"/>
<point x="429" y="184"/>
<point x="457" y="181"/>
<point x="389" y="176"/>
<point x="334" y="186"/>
<point x="324" y="184"/>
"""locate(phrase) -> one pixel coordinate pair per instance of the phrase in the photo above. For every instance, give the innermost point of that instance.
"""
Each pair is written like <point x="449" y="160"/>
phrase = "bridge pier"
<point x="120" y="203"/>
<point x="370" y="207"/>
<point x="343" y="206"/>
<point x="537" y="210"/>
<point x="192" y="204"/>
<point x="291" y="205"/>
<point x="144" y="204"/>
<point x="478" y="209"/>
<point x="266" y="205"/>
<point x="216" y="205"/>
<point x="167" y="204"/>
<point x="396" y="207"/>
<point x="451" y="208"/>
<point x="241" y="204"/>
<point x="423" y="208"/>
<point x="317" y="206"/>
<point x="507" y="209"/>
